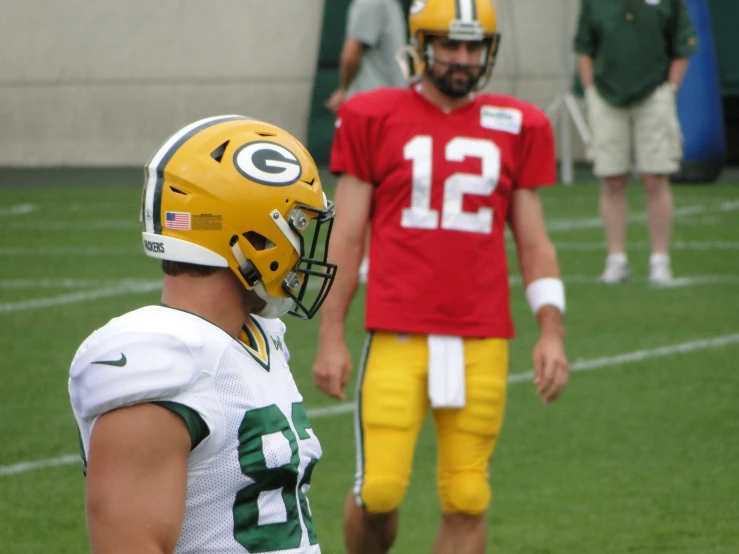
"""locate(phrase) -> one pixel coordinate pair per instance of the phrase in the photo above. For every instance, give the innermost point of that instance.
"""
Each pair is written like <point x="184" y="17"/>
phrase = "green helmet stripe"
<point x="154" y="171"/>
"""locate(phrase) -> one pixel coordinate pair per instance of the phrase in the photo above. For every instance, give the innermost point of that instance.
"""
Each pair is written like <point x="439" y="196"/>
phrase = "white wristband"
<point x="546" y="291"/>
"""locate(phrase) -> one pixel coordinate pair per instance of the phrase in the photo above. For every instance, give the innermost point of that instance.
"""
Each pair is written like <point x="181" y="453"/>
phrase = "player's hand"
<point x="551" y="369"/>
<point x="332" y="368"/>
<point x="335" y="100"/>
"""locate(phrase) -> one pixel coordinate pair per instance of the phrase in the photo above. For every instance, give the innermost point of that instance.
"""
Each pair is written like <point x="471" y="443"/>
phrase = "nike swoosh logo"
<point x="116" y="363"/>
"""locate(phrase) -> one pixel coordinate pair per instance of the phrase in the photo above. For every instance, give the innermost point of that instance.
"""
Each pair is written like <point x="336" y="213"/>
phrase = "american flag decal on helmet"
<point x="177" y="220"/>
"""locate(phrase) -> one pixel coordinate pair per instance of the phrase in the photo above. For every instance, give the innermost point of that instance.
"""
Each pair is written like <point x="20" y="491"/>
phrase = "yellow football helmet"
<point x="218" y="183"/>
<point x="463" y="20"/>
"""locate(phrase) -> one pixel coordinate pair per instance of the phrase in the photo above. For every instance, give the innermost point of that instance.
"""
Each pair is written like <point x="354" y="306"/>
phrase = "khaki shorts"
<point x="650" y="130"/>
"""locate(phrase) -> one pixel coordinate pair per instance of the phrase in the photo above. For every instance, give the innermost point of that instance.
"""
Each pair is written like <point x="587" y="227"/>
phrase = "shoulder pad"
<point x="130" y="368"/>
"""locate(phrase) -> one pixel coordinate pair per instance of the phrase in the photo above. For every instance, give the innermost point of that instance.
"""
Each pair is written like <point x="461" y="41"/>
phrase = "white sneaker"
<point x="363" y="271"/>
<point x="616" y="271"/>
<point x="660" y="272"/>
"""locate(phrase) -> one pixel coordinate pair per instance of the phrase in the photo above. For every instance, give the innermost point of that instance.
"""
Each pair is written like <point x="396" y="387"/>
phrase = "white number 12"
<point x="420" y="215"/>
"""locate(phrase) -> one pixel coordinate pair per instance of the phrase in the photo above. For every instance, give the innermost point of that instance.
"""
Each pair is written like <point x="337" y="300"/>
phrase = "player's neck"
<point x="216" y="298"/>
<point x="445" y="102"/>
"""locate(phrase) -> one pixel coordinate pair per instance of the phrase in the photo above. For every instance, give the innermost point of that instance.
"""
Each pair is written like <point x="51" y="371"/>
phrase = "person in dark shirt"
<point x="633" y="55"/>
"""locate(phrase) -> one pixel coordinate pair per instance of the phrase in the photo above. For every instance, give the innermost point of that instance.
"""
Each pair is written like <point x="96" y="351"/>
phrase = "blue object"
<point x="699" y="106"/>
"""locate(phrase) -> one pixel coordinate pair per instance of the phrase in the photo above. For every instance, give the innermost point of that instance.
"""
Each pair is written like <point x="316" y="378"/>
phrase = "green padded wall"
<point x="724" y="22"/>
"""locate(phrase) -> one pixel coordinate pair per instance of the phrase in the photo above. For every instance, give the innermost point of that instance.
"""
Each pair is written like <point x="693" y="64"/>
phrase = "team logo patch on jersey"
<point x="417" y="6"/>
<point x="268" y="163"/>
<point x="508" y="120"/>
<point x="277" y="341"/>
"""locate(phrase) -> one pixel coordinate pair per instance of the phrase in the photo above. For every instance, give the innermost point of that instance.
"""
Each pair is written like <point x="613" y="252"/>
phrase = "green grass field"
<point x="640" y="455"/>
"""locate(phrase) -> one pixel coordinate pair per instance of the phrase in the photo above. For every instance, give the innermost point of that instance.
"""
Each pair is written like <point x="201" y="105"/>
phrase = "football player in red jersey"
<point x="438" y="169"/>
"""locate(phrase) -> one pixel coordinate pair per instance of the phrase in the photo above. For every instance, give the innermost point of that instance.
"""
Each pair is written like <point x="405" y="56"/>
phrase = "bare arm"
<point x="353" y="202"/>
<point x="351" y="59"/>
<point x="585" y="65"/>
<point x="678" y="67"/>
<point x="537" y="259"/>
<point x="137" y="480"/>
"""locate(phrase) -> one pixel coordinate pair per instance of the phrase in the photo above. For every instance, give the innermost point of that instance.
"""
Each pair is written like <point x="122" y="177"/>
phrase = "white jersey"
<point x="248" y="478"/>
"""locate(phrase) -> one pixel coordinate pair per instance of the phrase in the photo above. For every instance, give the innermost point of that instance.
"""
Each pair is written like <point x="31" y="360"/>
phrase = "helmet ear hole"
<point x="274" y="266"/>
<point x="259" y="242"/>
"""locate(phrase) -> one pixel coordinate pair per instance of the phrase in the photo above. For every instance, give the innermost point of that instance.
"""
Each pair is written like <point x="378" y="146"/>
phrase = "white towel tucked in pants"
<point x="446" y="371"/>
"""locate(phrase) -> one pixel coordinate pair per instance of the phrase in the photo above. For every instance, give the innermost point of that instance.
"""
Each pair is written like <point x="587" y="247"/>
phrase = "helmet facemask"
<point x="231" y="191"/>
<point x="303" y="297"/>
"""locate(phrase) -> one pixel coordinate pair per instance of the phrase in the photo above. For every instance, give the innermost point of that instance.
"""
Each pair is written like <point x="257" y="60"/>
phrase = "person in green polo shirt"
<point x="632" y="56"/>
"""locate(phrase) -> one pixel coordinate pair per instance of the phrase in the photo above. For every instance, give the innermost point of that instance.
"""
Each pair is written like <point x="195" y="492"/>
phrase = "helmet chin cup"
<point x="274" y="307"/>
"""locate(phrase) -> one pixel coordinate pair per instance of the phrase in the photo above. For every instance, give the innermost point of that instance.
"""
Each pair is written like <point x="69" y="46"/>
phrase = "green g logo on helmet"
<point x="268" y="163"/>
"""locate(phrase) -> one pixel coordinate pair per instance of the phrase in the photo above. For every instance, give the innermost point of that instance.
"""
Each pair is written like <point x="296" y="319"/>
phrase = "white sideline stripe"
<point x="65" y="283"/>
<point x="515" y="280"/>
<point x="554" y="225"/>
<point x="638" y="356"/>
<point x="643" y="245"/>
<point x="37" y="303"/>
<point x="595" y="222"/>
<point x="73" y="225"/>
<point x="30" y="466"/>
<point x="576" y="367"/>
<point x="69" y="251"/>
<point x="699" y="280"/>
<point x="18" y="209"/>
<point x="134" y="286"/>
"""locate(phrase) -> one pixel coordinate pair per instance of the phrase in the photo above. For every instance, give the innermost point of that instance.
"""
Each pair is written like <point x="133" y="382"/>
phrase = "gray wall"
<point x="96" y="82"/>
<point x="535" y="60"/>
<point x="532" y="57"/>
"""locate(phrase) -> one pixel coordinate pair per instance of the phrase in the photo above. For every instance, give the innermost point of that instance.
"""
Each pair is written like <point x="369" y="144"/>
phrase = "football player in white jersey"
<point x="194" y="435"/>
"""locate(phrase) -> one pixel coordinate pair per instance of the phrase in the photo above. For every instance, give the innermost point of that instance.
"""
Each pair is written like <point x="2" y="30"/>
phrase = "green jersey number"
<point x="287" y="533"/>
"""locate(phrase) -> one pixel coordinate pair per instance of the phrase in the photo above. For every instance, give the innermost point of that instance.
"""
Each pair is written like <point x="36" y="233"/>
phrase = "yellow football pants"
<point x="392" y="405"/>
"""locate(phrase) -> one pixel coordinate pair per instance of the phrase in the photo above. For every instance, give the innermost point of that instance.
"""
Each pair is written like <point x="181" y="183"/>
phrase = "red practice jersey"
<point x="442" y="189"/>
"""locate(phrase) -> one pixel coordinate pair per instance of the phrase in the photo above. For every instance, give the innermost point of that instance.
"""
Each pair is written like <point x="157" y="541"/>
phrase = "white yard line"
<point x="65" y="283"/>
<point x="571" y="224"/>
<point x="595" y="222"/>
<point x="30" y="466"/>
<point x="70" y="251"/>
<point x="72" y="298"/>
<point x="113" y="224"/>
<point x="687" y="281"/>
<point x="18" y="209"/>
<point x="643" y="245"/>
<point x="140" y="286"/>
<point x="118" y="288"/>
<point x="576" y="367"/>
<point x="564" y="224"/>
<point x="679" y="282"/>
